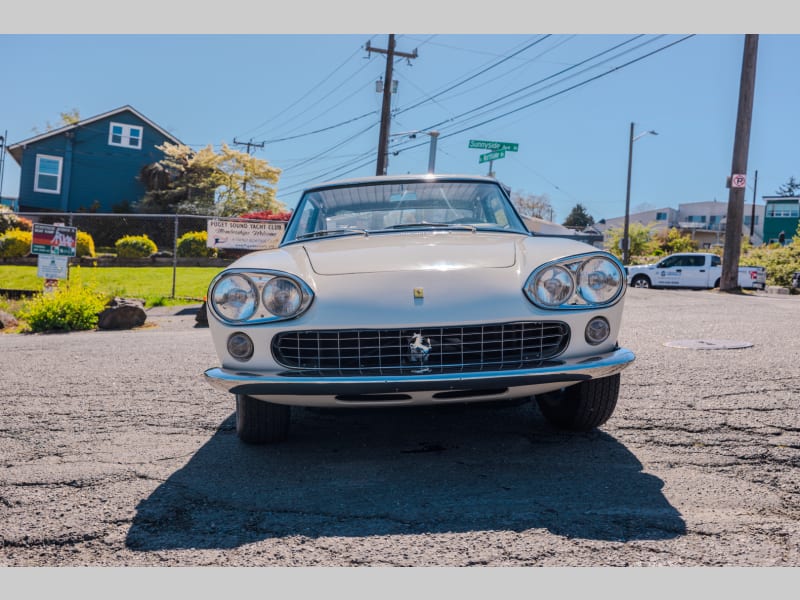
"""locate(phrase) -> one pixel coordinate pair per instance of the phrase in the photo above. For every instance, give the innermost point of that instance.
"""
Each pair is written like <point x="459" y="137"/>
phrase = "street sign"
<point x="738" y="180"/>
<point x="54" y="239"/>
<point x="487" y="145"/>
<point x="489" y="156"/>
<point x="52" y="267"/>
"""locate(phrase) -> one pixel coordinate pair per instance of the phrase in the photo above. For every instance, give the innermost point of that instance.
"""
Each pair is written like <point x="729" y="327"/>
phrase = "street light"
<point x="626" y="243"/>
<point x="432" y="153"/>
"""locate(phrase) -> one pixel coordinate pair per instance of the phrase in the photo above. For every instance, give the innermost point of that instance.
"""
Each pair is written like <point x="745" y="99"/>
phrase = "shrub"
<point x="10" y="220"/>
<point x="15" y="243"/>
<point x="71" y="307"/>
<point x="193" y="244"/>
<point x="84" y="244"/>
<point x="135" y="246"/>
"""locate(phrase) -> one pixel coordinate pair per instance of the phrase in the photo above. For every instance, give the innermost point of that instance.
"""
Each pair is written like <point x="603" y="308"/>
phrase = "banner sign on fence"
<point x="52" y="267"/>
<point x="54" y="239"/>
<point x="244" y="235"/>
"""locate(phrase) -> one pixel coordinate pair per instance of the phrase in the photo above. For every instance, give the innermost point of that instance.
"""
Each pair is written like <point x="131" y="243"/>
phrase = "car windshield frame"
<point x="388" y="206"/>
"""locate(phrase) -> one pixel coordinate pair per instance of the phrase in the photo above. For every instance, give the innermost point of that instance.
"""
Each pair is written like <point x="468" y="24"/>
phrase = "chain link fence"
<point x="163" y="229"/>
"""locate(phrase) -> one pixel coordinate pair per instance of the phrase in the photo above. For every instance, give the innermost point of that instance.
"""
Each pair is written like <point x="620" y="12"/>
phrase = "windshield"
<point x="368" y="208"/>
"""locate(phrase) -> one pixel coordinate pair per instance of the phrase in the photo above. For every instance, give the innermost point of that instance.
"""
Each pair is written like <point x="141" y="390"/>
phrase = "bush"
<point x="780" y="261"/>
<point x="135" y="246"/>
<point x="84" y="244"/>
<point x="10" y="220"/>
<point x="15" y="243"/>
<point x="193" y="244"/>
<point x="71" y="307"/>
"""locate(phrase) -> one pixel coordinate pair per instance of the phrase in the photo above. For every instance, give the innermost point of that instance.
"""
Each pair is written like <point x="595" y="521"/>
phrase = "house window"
<point x="126" y="136"/>
<point x="697" y="218"/>
<point x="47" y="178"/>
<point x="747" y="220"/>
<point x="782" y="210"/>
<point x="661" y="216"/>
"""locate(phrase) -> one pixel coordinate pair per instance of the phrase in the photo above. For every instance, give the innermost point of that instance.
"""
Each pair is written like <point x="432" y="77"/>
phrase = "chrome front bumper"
<point x="293" y="387"/>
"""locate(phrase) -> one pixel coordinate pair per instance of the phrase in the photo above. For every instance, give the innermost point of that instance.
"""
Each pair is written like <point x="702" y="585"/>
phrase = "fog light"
<point x="240" y="346"/>
<point x="597" y="331"/>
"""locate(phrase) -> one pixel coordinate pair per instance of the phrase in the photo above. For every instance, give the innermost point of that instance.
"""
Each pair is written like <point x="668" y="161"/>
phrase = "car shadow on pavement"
<point x="374" y="472"/>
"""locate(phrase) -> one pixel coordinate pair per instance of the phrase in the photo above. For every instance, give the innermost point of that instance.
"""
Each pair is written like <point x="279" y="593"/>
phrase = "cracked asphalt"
<point x="115" y="452"/>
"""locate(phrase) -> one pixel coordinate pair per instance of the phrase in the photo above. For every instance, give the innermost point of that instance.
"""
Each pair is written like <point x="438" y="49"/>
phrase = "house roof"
<point x="15" y="150"/>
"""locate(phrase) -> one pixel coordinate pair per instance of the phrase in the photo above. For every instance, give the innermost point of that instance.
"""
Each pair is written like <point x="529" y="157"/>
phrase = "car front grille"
<point x="469" y="348"/>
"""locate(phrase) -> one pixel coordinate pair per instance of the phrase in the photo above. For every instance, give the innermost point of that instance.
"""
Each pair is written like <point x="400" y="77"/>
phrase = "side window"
<point x="696" y="261"/>
<point x="671" y="261"/>
<point x="716" y="261"/>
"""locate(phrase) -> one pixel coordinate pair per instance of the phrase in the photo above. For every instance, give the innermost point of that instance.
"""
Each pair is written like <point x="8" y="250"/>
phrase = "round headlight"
<point x="282" y="297"/>
<point x="599" y="280"/>
<point x="235" y="297"/>
<point x="552" y="286"/>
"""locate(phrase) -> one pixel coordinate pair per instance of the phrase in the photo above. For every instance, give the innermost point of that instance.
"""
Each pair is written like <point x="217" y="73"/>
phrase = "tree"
<point x="790" y="188"/>
<point x="531" y="205"/>
<point x="672" y="240"/>
<point x="227" y="183"/>
<point x="69" y="117"/>
<point x="641" y="240"/>
<point x="579" y="217"/>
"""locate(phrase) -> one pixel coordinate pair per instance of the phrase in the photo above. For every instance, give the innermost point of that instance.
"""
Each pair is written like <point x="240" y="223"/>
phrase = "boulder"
<point x="7" y="320"/>
<point x="122" y="313"/>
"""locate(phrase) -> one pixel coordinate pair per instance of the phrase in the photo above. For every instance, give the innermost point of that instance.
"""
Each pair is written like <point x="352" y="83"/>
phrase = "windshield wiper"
<point x="427" y="224"/>
<point x="326" y="232"/>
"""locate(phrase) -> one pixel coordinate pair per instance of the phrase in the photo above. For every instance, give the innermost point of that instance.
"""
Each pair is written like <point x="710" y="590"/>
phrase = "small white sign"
<point x="245" y="234"/>
<point x="52" y="266"/>
<point x="738" y="180"/>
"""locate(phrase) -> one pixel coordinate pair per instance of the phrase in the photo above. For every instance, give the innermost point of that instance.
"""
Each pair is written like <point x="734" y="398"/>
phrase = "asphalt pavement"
<point x="115" y="452"/>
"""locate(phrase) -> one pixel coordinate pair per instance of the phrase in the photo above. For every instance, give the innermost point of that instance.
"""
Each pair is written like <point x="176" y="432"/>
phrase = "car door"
<point x="694" y="272"/>
<point x="668" y="272"/>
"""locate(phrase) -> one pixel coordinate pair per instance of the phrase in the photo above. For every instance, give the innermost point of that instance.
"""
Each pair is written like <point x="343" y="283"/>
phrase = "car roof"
<point x="375" y="179"/>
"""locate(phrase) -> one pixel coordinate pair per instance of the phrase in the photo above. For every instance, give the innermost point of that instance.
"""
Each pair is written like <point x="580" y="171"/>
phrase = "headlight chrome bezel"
<point x="580" y="298"/>
<point x="259" y="278"/>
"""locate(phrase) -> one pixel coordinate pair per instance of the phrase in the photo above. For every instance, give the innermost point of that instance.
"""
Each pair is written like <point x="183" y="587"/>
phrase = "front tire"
<point x="260" y="422"/>
<point x="641" y="281"/>
<point x="581" y="407"/>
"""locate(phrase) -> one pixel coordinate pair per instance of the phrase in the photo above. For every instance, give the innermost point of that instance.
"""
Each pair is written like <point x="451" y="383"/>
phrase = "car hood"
<point x="412" y="251"/>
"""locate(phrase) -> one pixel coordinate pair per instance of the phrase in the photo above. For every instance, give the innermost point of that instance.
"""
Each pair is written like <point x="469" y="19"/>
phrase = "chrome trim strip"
<point x="288" y="383"/>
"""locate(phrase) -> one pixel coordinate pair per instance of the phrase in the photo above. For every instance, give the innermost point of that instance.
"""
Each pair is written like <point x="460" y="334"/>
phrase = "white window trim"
<point x="36" y="187"/>
<point x="126" y="135"/>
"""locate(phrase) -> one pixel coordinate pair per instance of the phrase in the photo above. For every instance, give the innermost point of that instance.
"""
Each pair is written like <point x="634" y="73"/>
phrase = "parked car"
<point x="696" y="270"/>
<point x="416" y="290"/>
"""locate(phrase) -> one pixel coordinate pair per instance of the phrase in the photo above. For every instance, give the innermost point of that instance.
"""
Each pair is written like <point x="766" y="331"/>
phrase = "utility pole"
<point x="753" y="212"/>
<point x="386" y="108"/>
<point x="3" y="143"/>
<point x="729" y="281"/>
<point x="250" y="144"/>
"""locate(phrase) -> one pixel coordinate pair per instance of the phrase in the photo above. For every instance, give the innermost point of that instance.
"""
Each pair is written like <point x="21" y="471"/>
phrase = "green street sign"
<point x="492" y="156"/>
<point x="487" y="145"/>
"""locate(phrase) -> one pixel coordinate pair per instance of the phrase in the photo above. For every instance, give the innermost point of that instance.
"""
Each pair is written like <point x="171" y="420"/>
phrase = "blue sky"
<point x="510" y="87"/>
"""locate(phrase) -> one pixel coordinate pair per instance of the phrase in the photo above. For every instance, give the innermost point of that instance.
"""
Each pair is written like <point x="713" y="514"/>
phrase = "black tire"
<point x="260" y="422"/>
<point x="583" y="406"/>
<point x="716" y="284"/>
<point x="641" y="281"/>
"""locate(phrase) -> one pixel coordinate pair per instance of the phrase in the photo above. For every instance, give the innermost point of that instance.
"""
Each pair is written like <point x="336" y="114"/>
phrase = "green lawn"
<point x="153" y="284"/>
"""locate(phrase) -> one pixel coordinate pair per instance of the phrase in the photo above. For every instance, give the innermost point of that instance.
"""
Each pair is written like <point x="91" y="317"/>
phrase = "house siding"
<point x="787" y="224"/>
<point x="95" y="174"/>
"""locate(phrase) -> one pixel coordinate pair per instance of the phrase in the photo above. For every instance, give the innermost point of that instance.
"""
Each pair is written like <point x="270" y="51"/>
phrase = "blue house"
<point x="93" y="164"/>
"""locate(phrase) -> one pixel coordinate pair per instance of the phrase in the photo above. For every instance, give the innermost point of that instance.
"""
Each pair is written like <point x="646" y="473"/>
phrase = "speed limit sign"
<point x="738" y="180"/>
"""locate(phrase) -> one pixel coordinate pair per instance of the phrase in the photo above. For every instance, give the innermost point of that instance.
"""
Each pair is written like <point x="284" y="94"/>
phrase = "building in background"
<point x="93" y="164"/>
<point x="705" y="222"/>
<point x="782" y="215"/>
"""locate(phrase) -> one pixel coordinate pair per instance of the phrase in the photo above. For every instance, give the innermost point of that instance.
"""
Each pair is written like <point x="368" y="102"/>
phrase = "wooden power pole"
<point x="729" y="281"/>
<point x="386" y="108"/>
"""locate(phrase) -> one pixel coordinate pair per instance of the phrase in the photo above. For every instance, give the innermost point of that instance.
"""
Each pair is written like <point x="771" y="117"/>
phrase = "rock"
<point x="7" y="320"/>
<point x="122" y="313"/>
